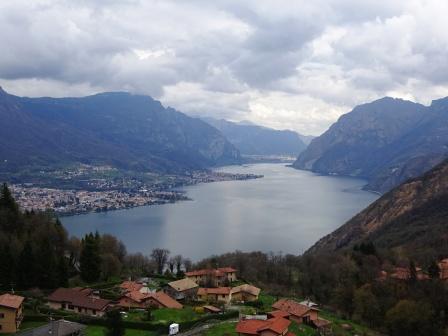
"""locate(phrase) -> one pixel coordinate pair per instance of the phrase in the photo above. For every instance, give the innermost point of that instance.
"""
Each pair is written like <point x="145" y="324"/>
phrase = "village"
<point x="174" y="306"/>
<point x="203" y="302"/>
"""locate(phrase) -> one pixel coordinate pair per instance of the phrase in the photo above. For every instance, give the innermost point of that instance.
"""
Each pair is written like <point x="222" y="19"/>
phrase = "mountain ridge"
<point x="117" y="128"/>
<point x="411" y="216"/>
<point x="252" y="139"/>
<point x="386" y="142"/>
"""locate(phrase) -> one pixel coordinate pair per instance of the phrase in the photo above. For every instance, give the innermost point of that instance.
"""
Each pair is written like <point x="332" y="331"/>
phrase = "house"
<point x="184" y="289"/>
<point x="305" y="312"/>
<point x="297" y="312"/>
<point x="404" y="273"/>
<point x="245" y="293"/>
<point x="11" y="312"/>
<point x="213" y="277"/>
<point x="277" y="326"/>
<point x="220" y="294"/>
<point x="443" y="266"/>
<point x="137" y="299"/>
<point x="56" y="328"/>
<point x="78" y="300"/>
<point x="132" y="286"/>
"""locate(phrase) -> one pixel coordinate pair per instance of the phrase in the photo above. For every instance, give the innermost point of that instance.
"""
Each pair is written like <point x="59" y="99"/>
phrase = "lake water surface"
<point x="288" y="210"/>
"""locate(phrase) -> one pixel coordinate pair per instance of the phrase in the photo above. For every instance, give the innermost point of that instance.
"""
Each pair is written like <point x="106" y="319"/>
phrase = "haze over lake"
<point x="288" y="210"/>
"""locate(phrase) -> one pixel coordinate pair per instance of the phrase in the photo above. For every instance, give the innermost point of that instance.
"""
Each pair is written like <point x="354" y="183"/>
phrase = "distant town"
<point x="85" y="188"/>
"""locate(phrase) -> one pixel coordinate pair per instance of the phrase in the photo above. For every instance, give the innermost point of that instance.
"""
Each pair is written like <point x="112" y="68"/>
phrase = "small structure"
<point x="133" y="286"/>
<point x="174" y="329"/>
<point x="245" y="293"/>
<point x="212" y="309"/>
<point x="271" y="327"/>
<point x="184" y="289"/>
<point x="213" y="277"/>
<point x="220" y="294"/>
<point x="78" y="300"/>
<point x="56" y="328"/>
<point x="11" y="312"/>
<point x="403" y="273"/>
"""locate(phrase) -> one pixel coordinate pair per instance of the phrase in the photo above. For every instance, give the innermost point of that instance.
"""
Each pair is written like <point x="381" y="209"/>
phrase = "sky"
<point x="289" y="64"/>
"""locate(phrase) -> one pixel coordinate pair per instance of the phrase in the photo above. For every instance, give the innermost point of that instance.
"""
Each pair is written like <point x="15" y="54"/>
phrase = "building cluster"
<point x="80" y="201"/>
<point x="404" y="273"/>
<point x="277" y="322"/>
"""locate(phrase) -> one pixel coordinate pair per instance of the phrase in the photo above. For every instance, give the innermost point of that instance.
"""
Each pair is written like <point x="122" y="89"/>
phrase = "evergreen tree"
<point x="7" y="271"/>
<point x="46" y="264"/>
<point x="434" y="270"/>
<point x="114" y="323"/>
<point x="62" y="272"/>
<point x="7" y="201"/>
<point x="90" y="259"/>
<point x="26" y="267"/>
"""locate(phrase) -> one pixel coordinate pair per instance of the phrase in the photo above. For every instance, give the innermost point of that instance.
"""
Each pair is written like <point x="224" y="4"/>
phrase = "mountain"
<point x="119" y="129"/>
<point x="387" y="142"/>
<point x="252" y="139"/>
<point x="413" y="216"/>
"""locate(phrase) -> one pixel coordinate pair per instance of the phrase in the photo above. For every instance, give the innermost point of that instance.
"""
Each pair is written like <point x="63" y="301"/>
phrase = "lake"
<point x="286" y="211"/>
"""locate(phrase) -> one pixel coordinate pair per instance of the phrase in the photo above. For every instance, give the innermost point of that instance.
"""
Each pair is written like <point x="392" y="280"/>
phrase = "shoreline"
<point x="101" y="201"/>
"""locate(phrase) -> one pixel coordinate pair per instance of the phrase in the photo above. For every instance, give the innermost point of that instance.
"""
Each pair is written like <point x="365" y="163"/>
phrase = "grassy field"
<point x="222" y="329"/>
<point x="175" y="315"/>
<point x="99" y="331"/>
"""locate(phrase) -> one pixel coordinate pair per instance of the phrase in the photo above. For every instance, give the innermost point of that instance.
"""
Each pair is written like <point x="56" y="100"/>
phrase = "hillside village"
<point x="205" y="296"/>
<point x="227" y="299"/>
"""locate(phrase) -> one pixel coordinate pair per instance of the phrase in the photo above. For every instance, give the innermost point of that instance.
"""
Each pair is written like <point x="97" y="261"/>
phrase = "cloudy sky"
<point x="284" y="64"/>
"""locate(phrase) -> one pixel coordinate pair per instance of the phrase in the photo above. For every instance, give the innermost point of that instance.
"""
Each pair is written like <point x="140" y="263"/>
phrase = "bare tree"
<point x="171" y="264"/>
<point x="188" y="265"/>
<point x="178" y="260"/>
<point x="160" y="257"/>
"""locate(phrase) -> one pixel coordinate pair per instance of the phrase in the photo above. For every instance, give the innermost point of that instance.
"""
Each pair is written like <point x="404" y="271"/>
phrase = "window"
<point x="1" y="327"/>
<point x="71" y="307"/>
<point x="63" y="306"/>
<point x="2" y="315"/>
<point x="94" y="312"/>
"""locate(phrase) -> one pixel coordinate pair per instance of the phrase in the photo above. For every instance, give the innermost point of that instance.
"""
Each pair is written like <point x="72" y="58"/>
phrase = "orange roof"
<point x="166" y="300"/>
<point x="254" y="327"/>
<point x="278" y="313"/>
<point x="162" y="298"/>
<point x="227" y="270"/>
<point x="292" y="307"/>
<point x="131" y="286"/>
<point x="78" y="297"/>
<point x="11" y="301"/>
<point x="218" y="291"/>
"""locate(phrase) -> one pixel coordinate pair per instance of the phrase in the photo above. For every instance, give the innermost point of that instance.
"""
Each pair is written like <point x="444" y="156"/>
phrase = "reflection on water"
<point x="287" y="210"/>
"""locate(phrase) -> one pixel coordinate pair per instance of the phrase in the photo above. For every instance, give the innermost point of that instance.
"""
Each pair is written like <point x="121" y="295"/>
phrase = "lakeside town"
<point x="87" y="188"/>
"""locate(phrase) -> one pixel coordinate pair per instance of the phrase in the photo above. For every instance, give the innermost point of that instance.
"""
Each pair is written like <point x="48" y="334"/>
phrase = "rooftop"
<point x="11" y="301"/>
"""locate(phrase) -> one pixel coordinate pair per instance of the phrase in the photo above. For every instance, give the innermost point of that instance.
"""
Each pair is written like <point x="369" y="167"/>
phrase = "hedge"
<point x="149" y="326"/>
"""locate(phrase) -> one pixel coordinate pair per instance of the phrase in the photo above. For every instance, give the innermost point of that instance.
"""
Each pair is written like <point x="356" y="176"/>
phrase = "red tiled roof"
<point x="162" y="298"/>
<point x="78" y="297"/>
<point x="292" y="307"/>
<point x="131" y="286"/>
<point x="254" y="327"/>
<point x="166" y="300"/>
<point x="278" y="313"/>
<point x="218" y="291"/>
<point x="11" y="301"/>
<point x="227" y="270"/>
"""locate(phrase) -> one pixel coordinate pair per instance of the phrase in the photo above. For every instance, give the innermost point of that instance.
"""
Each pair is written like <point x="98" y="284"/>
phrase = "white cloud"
<point x="284" y="64"/>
